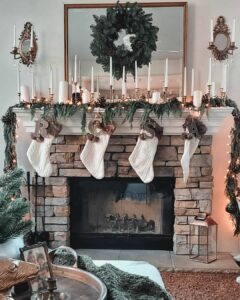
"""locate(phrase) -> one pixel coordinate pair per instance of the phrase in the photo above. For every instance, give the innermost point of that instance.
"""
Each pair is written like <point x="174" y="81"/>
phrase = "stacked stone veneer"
<point x="190" y="198"/>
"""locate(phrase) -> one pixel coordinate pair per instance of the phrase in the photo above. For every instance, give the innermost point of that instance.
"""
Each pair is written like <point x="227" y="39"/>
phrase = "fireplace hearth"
<point x="122" y="213"/>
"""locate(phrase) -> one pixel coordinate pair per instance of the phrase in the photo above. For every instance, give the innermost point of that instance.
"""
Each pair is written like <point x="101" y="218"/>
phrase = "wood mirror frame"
<point x="67" y="7"/>
<point x="221" y="29"/>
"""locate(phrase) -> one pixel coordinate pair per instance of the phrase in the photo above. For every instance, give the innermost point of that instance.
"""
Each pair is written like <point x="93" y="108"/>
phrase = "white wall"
<point x="47" y="17"/>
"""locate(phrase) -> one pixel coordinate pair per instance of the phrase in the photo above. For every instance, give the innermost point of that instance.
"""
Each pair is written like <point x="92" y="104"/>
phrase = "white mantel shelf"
<point x="172" y="125"/>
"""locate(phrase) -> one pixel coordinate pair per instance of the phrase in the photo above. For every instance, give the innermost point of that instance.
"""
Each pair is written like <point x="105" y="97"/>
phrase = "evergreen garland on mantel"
<point x="128" y="110"/>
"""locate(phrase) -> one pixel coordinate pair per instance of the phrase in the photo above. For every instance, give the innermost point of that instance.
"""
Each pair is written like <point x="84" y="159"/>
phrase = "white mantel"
<point x="172" y="125"/>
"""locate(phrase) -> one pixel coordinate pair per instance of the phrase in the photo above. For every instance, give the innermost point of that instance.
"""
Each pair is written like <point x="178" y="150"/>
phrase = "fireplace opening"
<point x="122" y="213"/>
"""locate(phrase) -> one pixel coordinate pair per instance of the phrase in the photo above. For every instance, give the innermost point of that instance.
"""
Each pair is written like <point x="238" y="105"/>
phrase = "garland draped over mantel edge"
<point x="128" y="110"/>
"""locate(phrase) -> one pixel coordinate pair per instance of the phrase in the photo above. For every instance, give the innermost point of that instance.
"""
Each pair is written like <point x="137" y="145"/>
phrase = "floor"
<point x="166" y="260"/>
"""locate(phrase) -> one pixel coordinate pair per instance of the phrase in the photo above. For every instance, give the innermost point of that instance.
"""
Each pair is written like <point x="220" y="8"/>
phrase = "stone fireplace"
<point x="188" y="200"/>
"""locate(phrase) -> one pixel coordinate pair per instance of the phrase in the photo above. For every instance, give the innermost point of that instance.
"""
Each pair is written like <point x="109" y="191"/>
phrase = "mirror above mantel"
<point x="170" y="18"/>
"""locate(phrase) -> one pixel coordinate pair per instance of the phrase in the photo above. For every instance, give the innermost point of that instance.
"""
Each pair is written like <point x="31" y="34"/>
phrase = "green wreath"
<point x="141" y="38"/>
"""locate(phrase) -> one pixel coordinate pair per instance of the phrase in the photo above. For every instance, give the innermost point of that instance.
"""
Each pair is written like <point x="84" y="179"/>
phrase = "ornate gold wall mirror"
<point x="221" y="46"/>
<point x="27" y="49"/>
<point x="169" y="17"/>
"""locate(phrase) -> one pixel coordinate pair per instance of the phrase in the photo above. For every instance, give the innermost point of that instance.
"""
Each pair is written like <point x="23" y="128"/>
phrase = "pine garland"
<point x="128" y="110"/>
<point x="9" y="128"/>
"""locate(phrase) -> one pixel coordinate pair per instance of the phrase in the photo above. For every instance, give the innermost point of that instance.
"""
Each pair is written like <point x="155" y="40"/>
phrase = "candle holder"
<point x="233" y="47"/>
<point x="26" y="57"/>
<point x="209" y="87"/>
<point x="19" y="97"/>
<point x="165" y="93"/>
<point x="111" y="93"/>
<point x="223" y="94"/>
<point x="221" y="28"/>
<point x="137" y="93"/>
<point x="50" y="93"/>
<point x="34" y="100"/>
<point x="148" y="96"/>
<point x="92" y="98"/>
<point x="184" y="100"/>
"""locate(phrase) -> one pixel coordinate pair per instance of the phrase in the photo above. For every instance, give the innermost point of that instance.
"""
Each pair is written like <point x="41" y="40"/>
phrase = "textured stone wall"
<point x="190" y="198"/>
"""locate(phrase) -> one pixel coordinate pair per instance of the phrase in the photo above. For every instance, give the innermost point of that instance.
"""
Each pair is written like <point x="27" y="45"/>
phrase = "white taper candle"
<point x="211" y="31"/>
<point x="50" y="80"/>
<point x="166" y="74"/>
<point x="210" y="71"/>
<point x="92" y="81"/>
<point x="31" y="40"/>
<point x="136" y="75"/>
<point x="123" y="82"/>
<point x="97" y="86"/>
<point x="233" y="31"/>
<point x="79" y="73"/>
<point x="213" y="89"/>
<point x="192" y="84"/>
<point x="75" y="79"/>
<point x="14" y="35"/>
<point x="185" y="82"/>
<point x="224" y="78"/>
<point x="33" y="86"/>
<point x="18" y="78"/>
<point x="110" y="81"/>
<point x="149" y="78"/>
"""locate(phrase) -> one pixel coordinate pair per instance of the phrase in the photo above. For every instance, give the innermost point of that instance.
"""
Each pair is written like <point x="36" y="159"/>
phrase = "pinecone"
<point x="101" y="102"/>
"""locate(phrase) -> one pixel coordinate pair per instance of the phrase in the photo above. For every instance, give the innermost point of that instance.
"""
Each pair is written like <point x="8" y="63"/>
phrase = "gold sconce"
<point x="222" y="42"/>
<point x="27" y="49"/>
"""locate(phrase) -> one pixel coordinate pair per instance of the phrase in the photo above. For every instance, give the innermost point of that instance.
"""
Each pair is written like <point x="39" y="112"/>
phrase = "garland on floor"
<point x="128" y="110"/>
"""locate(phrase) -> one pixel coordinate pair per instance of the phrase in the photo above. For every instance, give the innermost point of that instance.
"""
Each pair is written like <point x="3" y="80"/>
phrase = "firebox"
<point x="122" y="213"/>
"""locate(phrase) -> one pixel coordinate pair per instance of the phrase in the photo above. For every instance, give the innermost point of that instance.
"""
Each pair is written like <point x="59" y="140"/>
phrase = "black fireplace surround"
<point x="121" y="213"/>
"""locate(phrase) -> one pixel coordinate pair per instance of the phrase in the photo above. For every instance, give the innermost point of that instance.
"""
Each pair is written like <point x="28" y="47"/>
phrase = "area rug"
<point x="201" y="286"/>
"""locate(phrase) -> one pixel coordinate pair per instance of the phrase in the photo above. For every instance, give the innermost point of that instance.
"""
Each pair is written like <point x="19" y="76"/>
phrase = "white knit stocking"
<point x="39" y="156"/>
<point x="190" y="147"/>
<point x="92" y="155"/>
<point x="142" y="158"/>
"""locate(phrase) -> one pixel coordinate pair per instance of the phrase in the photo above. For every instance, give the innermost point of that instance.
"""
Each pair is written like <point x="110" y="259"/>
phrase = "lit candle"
<point x="192" y="86"/>
<point x="33" y="86"/>
<point x="185" y="82"/>
<point x="224" y="78"/>
<point x="149" y="77"/>
<point x="123" y="82"/>
<point x="75" y="70"/>
<point x="79" y="73"/>
<point x="92" y="81"/>
<point x="18" y="78"/>
<point x="233" y="30"/>
<point x="31" y="41"/>
<point x="166" y="74"/>
<point x="50" y="80"/>
<point x="136" y="75"/>
<point x="111" y="83"/>
<point x="14" y="35"/>
<point x="210" y="72"/>
<point x="211" y="31"/>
